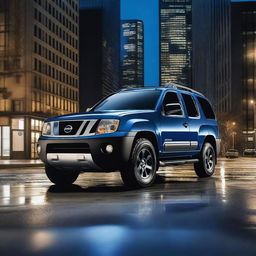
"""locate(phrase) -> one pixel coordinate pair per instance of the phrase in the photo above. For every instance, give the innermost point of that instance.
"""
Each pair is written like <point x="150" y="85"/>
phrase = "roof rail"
<point x="181" y="87"/>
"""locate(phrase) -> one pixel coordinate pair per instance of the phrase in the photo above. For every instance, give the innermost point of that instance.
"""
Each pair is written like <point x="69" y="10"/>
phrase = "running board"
<point x="178" y="162"/>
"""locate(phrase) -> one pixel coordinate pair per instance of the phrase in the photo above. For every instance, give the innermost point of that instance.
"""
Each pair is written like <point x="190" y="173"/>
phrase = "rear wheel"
<point x="207" y="161"/>
<point x="141" y="169"/>
<point x="59" y="177"/>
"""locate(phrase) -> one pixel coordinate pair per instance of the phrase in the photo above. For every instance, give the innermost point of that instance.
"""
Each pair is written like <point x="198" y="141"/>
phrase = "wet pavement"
<point x="179" y="215"/>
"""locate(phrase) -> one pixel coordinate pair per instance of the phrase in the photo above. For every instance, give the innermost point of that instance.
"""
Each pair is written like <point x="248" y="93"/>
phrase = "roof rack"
<point x="181" y="87"/>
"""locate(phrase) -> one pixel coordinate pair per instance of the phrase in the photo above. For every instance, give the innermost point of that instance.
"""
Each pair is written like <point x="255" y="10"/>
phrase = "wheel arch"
<point x="151" y="136"/>
<point x="211" y="139"/>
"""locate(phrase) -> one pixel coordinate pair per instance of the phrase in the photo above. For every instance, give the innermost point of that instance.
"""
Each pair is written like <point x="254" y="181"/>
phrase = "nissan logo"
<point x="68" y="129"/>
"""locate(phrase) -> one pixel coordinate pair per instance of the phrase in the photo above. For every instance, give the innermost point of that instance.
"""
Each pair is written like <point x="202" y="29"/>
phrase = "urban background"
<point x="62" y="56"/>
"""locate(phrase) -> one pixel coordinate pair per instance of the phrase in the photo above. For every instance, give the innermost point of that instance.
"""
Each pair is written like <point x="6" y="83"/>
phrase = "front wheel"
<point x="207" y="161"/>
<point x="59" y="177"/>
<point x="142" y="166"/>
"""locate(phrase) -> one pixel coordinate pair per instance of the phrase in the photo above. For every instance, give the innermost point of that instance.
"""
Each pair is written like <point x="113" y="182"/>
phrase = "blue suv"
<point x="133" y="131"/>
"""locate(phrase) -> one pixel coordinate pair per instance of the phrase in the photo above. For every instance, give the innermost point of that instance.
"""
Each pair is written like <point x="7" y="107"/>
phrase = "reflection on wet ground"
<point x="179" y="215"/>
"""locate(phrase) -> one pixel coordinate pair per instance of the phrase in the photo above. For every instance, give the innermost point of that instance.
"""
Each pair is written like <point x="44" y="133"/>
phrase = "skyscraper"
<point x="175" y="41"/>
<point x="195" y="47"/>
<point x="99" y="50"/>
<point x="38" y="69"/>
<point x="244" y="71"/>
<point x="211" y="51"/>
<point x="132" y="53"/>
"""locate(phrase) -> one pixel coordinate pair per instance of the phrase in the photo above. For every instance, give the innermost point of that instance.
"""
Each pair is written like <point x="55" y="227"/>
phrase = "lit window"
<point x="18" y="123"/>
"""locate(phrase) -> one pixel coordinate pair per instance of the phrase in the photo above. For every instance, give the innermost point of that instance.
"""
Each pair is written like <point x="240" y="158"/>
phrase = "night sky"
<point x="147" y="11"/>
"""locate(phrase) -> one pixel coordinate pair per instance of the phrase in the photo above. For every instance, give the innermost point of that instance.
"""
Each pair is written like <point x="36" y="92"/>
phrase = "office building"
<point x="243" y="72"/>
<point x="99" y="50"/>
<point x="132" y="53"/>
<point x="38" y="69"/>
<point x="195" y="47"/>
<point x="175" y="41"/>
<point x="211" y="51"/>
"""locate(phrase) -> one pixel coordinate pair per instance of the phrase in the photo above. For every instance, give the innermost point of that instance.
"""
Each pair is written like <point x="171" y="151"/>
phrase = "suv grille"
<point x="68" y="148"/>
<point x="69" y="127"/>
<point x="76" y="128"/>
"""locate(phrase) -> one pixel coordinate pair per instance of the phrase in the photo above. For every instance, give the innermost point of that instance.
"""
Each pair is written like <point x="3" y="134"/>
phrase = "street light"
<point x="233" y="135"/>
<point x="252" y="102"/>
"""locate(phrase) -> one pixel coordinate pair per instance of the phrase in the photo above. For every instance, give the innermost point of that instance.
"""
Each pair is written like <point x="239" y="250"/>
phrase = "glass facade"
<point x="38" y="68"/>
<point x="175" y="41"/>
<point x="211" y="50"/>
<point x="132" y="53"/>
<point x="244" y="71"/>
<point x="99" y="51"/>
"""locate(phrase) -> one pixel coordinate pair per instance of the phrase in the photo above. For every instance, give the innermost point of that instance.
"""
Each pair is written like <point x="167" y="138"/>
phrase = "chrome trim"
<point x="178" y="162"/>
<point x="170" y="145"/>
<point x="86" y="132"/>
<point x="193" y="145"/>
<point x="89" y="127"/>
<point x="177" y="145"/>
<point x="181" y="87"/>
<point x="83" y="161"/>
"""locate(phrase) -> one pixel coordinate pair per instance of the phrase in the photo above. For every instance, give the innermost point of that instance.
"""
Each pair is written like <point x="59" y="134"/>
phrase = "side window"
<point x="171" y="105"/>
<point x="207" y="108"/>
<point x="190" y="105"/>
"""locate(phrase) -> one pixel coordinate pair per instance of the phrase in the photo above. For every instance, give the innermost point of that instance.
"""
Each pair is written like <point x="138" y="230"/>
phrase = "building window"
<point x="36" y="127"/>
<point x="18" y="123"/>
<point x="18" y="105"/>
<point x="18" y="134"/>
<point x="4" y="142"/>
<point x="5" y="105"/>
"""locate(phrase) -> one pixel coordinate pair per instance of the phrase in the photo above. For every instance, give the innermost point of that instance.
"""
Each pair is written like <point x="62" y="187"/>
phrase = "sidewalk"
<point x="6" y="164"/>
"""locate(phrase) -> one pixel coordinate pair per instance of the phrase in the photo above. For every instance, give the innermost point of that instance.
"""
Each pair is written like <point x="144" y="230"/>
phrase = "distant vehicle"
<point x="250" y="152"/>
<point x="134" y="131"/>
<point x="232" y="153"/>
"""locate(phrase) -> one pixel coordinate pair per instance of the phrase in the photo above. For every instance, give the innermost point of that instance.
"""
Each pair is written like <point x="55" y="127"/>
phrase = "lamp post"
<point x="233" y="135"/>
<point x="252" y="102"/>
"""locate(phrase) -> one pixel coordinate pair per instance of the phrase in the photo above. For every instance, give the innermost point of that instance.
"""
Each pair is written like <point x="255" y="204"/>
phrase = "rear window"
<point x="190" y="105"/>
<point x="207" y="108"/>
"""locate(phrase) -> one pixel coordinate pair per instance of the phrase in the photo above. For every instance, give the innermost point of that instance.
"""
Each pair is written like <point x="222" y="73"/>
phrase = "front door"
<point x="174" y="127"/>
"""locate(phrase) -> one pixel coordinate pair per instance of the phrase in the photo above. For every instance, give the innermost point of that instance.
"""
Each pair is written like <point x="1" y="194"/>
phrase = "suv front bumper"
<point x="95" y="159"/>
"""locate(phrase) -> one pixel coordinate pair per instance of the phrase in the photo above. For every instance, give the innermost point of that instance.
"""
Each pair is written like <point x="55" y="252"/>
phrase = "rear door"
<point x="174" y="126"/>
<point x="193" y="119"/>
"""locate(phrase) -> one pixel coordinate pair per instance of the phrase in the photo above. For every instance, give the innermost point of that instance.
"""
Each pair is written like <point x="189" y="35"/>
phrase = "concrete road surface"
<point x="179" y="215"/>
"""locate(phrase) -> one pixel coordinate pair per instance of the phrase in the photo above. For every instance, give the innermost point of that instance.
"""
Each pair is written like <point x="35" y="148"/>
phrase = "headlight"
<point x="47" y="129"/>
<point x="107" y="126"/>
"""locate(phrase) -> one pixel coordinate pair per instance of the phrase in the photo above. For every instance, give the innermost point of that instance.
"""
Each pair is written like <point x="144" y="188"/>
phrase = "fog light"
<point x="38" y="149"/>
<point x="109" y="149"/>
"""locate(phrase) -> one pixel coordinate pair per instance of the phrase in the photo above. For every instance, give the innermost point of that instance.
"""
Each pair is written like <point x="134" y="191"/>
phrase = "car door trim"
<point x="170" y="145"/>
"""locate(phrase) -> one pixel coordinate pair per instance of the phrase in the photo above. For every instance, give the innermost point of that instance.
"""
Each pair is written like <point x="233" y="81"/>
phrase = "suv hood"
<point x="99" y="115"/>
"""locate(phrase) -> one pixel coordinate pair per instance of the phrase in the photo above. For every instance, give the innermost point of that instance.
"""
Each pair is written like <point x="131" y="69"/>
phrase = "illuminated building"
<point x="38" y="69"/>
<point x="195" y="47"/>
<point x="132" y="53"/>
<point x="243" y="71"/>
<point x="175" y="41"/>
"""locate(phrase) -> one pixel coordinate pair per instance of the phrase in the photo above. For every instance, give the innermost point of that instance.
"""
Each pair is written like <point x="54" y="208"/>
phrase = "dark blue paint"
<point x="154" y="121"/>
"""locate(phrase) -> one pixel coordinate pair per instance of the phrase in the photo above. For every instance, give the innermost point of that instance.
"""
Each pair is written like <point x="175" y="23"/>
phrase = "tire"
<point x="59" y="177"/>
<point x="140" y="171"/>
<point x="207" y="161"/>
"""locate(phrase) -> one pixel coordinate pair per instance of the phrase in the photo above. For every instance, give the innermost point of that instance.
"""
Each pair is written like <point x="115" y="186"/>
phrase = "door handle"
<point x="185" y="125"/>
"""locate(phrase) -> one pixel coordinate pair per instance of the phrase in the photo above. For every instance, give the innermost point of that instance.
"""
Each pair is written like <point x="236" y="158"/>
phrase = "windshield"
<point x="130" y="100"/>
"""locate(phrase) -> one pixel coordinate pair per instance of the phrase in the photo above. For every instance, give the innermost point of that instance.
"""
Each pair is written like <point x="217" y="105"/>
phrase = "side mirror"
<point x="88" y="109"/>
<point x="173" y="109"/>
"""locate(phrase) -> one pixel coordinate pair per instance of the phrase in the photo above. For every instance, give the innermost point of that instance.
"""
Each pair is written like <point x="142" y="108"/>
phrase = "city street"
<point x="179" y="215"/>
